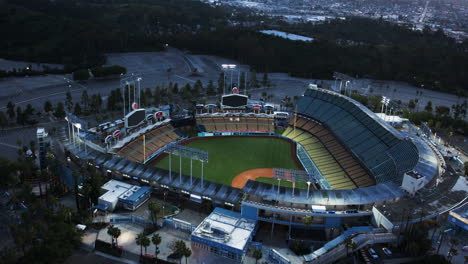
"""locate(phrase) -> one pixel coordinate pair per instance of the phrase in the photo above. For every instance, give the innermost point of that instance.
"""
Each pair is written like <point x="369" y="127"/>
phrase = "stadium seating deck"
<point x="327" y="165"/>
<point x="377" y="145"/>
<point x="237" y="124"/>
<point x="337" y="165"/>
<point x="154" y="140"/>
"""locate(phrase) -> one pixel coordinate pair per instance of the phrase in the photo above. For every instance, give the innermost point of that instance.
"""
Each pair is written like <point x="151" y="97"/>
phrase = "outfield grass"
<point x="229" y="156"/>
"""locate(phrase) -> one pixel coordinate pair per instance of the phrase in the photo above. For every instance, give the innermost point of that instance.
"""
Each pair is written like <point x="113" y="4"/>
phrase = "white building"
<point x="120" y="193"/>
<point x="413" y="182"/>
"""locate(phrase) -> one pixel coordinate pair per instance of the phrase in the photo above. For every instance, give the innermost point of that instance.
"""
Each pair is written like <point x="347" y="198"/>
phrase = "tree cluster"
<point x="79" y="36"/>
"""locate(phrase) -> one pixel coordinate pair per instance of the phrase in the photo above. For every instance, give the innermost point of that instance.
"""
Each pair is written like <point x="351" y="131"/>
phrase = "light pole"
<point x="123" y="93"/>
<point x="139" y="92"/>
<point x="224" y="66"/>
<point x="180" y="168"/>
<point x="73" y="134"/>
<point x="346" y="87"/>
<point x="231" y="67"/>
<point x="384" y="99"/>
<point x="129" y="104"/>
<point x="78" y="126"/>
<point x="201" y="183"/>
<point x="170" y="166"/>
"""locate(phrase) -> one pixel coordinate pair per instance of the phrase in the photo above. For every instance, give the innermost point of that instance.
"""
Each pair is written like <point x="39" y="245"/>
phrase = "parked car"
<point x="373" y="253"/>
<point x="387" y="251"/>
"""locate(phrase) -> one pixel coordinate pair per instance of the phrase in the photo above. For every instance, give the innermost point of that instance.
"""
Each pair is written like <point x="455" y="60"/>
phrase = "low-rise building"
<point x="122" y="194"/>
<point x="225" y="233"/>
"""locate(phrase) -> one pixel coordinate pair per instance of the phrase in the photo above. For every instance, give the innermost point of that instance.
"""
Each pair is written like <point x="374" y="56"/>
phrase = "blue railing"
<point x="310" y="167"/>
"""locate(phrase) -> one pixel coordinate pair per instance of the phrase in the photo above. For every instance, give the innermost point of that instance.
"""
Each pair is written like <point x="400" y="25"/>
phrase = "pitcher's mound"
<point x="241" y="179"/>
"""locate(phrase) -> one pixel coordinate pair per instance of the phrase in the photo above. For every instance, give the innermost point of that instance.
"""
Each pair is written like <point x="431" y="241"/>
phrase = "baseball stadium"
<point x="330" y="158"/>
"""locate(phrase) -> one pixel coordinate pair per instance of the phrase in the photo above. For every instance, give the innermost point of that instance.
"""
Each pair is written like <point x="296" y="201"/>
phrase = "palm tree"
<point x="154" y="209"/>
<point x="156" y="239"/>
<point x="139" y="241"/>
<point x="181" y="250"/>
<point x="117" y="233"/>
<point x="114" y="232"/>
<point x="145" y="243"/>
<point x="257" y="254"/>
<point x="187" y="253"/>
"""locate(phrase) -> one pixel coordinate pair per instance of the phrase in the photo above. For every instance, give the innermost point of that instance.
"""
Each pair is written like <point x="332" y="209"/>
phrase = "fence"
<point x="179" y="225"/>
<point x="134" y="219"/>
<point x="277" y="257"/>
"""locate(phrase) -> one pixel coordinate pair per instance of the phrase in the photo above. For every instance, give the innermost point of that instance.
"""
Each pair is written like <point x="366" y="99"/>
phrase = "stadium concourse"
<point x="348" y="161"/>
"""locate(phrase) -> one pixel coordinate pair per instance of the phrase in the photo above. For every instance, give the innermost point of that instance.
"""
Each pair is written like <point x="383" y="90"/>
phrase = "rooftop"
<point x="461" y="212"/>
<point x="114" y="189"/>
<point x="226" y="227"/>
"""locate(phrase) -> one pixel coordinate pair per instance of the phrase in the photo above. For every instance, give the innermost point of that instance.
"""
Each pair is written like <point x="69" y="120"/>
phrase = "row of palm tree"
<point x="141" y="240"/>
<point x="180" y="249"/>
<point x="144" y="242"/>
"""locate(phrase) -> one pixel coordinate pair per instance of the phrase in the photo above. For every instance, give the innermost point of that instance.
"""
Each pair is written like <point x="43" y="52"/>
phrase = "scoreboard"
<point x="135" y="117"/>
<point x="234" y="100"/>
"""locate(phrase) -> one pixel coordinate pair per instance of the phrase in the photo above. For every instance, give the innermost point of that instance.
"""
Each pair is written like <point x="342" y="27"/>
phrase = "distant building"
<point x="225" y="233"/>
<point x="121" y="194"/>
<point x="43" y="143"/>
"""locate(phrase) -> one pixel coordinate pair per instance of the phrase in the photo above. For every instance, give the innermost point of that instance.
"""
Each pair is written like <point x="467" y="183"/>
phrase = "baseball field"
<point x="233" y="156"/>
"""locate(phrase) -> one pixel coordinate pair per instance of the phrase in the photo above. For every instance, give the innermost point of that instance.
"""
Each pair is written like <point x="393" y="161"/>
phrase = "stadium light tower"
<point x="385" y="101"/>
<point x="224" y="66"/>
<point x="139" y="91"/>
<point x="231" y="68"/>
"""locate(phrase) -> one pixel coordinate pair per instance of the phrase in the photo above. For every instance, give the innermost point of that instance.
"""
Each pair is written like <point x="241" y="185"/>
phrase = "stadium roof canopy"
<point x="152" y="175"/>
